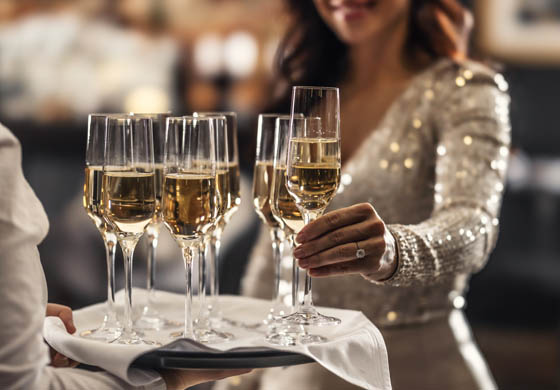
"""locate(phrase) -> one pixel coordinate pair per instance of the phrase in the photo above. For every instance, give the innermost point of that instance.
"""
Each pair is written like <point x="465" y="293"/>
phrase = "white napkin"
<point x="355" y="349"/>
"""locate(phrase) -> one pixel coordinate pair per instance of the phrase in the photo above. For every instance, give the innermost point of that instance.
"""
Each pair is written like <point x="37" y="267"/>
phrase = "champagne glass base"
<point x="211" y="336"/>
<point x="281" y="339"/>
<point x="155" y="323"/>
<point x="284" y="334"/>
<point x="133" y="338"/>
<point x="205" y="336"/>
<point x="289" y="335"/>
<point x="311" y="339"/>
<point x="276" y="313"/>
<point x="310" y="317"/>
<point x="105" y="334"/>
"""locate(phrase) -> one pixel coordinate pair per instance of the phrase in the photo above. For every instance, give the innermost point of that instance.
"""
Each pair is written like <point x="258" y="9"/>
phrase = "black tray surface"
<point x="184" y="353"/>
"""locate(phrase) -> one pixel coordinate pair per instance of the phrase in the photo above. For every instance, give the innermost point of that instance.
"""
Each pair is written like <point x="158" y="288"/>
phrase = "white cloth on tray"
<point x="355" y="349"/>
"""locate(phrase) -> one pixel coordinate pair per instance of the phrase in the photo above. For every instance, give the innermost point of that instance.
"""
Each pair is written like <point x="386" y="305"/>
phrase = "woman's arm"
<point x="473" y="136"/>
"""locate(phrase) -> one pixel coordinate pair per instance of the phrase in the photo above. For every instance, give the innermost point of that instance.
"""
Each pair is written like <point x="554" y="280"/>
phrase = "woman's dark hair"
<point x="305" y="55"/>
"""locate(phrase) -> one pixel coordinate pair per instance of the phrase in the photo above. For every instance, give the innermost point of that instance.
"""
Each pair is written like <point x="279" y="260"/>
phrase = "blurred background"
<point x="60" y="60"/>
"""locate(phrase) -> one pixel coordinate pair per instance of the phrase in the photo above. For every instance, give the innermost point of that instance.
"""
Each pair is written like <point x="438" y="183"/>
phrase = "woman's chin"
<point x="354" y="36"/>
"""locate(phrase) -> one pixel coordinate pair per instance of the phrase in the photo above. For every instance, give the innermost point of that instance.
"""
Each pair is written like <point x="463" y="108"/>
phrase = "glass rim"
<point x="272" y="115"/>
<point x="209" y="117"/>
<point x="314" y="87"/>
<point x="290" y="118"/>
<point x="108" y="114"/>
<point x="207" y="113"/>
<point x="212" y="116"/>
<point x="148" y="114"/>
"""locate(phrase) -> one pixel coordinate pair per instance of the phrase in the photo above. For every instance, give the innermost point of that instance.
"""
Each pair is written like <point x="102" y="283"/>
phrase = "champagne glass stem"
<point x="277" y="252"/>
<point x="215" y="245"/>
<point x="204" y="331"/>
<point x="151" y="271"/>
<point x="110" y="249"/>
<point x="295" y="285"/>
<point x="295" y="276"/>
<point x="127" y="245"/>
<point x="188" y="253"/>
<point x="307" y="304"/>
<point x="202" y="280"/>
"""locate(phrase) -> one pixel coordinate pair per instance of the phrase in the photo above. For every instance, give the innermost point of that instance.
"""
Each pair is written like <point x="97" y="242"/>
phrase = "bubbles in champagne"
<point x="262" y="182"/>
<point x="129" y="200"/>
<point x="283" y="205"/>
<point x="189" y="204"/>
<point x="313" y="171"/>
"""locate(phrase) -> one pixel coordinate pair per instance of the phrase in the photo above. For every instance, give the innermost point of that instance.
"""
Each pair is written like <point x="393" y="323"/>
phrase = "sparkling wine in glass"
<point x="313" y="171"/>
<point x="204" y="330"/>
<point x="286" y="212"/>
<point x="110" y="329"/>
<point x="150" y="318"/>
<point x="190" y="199"/>
<point x="262" y="191"/>
<point x="129" y="198"/>
<point x="234" y="200"/>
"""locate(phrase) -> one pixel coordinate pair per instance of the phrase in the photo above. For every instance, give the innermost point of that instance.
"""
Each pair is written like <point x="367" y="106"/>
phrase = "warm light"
<point x="240" y="54"/>
<point x="408" y="163"/>
<point x="391" y="316"/>
<point x="207" y="55"/>
<point x="146" y="99"/>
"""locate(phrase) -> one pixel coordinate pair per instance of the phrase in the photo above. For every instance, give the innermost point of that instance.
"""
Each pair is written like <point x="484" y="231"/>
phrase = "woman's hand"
<point x="65" y="314"/>
<point x="182" y="379"/>
<point x="329" y="245"/>
<point x="449" y="25"/>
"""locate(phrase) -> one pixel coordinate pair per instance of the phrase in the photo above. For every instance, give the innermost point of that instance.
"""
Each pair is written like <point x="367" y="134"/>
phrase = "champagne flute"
<point x="190" y="204"/>
<point x="129" y="195"/>
<point x="262" y="190"/>
<point x="150" y="318"/>
<point x="203" y="327"/>
<point x="234" y="200"/>
<point x="110" y="329"/>
<point x="313" y="171"/>
<point x="288" y="215"/>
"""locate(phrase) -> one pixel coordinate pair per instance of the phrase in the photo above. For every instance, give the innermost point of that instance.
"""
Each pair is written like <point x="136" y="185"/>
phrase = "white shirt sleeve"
<point x="24" y="356"/>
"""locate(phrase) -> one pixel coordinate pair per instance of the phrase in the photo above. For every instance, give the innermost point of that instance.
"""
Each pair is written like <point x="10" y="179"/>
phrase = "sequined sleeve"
<point x="472" y="135"/>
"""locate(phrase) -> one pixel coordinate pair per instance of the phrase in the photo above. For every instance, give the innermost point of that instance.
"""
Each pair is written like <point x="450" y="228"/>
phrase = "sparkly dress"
<point x="434" y="171"/>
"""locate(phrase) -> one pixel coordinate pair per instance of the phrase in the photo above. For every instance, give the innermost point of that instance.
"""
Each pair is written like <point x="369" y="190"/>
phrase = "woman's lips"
<point x="352" y="10"/>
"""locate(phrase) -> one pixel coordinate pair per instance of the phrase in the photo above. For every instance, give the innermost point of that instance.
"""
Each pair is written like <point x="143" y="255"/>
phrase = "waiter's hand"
<point x="65" y="314"/>
<point x="183" y="379"/>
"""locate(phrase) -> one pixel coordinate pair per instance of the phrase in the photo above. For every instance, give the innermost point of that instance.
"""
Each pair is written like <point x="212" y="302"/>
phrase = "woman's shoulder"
<point x="452" y="74"/>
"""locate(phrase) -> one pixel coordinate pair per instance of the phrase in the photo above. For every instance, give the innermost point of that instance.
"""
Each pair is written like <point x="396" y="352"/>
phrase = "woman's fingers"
<point x="454" y="9"/>
<point x="334" y="220"/>
<point x="339" y="269"/>
<point x="344" y="235"/>
<point x="64" y="313"/>
<point x="373" y="247"/>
